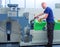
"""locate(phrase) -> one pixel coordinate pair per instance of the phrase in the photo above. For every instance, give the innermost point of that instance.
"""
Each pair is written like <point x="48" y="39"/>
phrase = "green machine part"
<point x="57" y="26"/>
<point x="42" y="24"/>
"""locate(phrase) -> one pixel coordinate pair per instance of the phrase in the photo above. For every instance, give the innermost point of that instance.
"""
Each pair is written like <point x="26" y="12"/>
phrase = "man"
<point x="50" y="22"/>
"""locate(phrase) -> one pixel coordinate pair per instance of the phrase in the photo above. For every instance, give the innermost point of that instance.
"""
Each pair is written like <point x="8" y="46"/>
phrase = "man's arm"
<point x="39" y="15"/>
<point x="46" y="15"/>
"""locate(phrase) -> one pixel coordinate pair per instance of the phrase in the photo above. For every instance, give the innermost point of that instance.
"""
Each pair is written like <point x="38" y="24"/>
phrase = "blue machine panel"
<point x="3" y="17"/>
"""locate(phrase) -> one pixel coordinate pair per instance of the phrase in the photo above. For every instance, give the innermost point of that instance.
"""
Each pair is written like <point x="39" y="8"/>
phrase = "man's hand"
<point x="39" y="20"/>
<point x="35" y="16"/>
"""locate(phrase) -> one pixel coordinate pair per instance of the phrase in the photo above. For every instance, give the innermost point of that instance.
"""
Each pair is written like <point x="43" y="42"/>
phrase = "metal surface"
<point x="40" y="38"/>
<point x="15" y="32"/>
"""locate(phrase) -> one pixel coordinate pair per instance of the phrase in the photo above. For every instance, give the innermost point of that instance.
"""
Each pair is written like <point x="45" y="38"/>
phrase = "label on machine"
<point x="12" y="13"/>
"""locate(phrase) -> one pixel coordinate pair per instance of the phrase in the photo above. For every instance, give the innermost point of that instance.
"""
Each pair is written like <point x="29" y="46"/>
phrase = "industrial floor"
<point x="43" y="46"/>
<point x="17" y="45"/>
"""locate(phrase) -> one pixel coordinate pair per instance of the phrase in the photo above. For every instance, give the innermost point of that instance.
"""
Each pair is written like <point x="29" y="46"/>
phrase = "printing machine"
<point x="9" y="26"/>
<point x="16" y="26"/>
